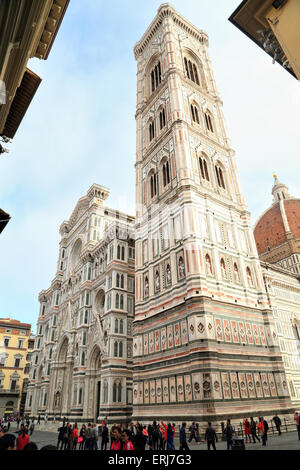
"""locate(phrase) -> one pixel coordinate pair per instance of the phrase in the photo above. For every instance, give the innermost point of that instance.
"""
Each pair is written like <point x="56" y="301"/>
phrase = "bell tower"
<point x="203" y="330"/>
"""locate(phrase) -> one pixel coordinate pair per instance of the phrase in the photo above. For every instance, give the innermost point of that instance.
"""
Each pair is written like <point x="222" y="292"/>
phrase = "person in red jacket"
<point x="23" y="438"/>
<point x="116" y="435"/>
<point x="74" y="437"/>
<point x="127" y="444"/>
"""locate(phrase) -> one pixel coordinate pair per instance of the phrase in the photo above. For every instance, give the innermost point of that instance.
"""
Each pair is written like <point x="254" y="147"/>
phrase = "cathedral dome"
<point x="277" y="231"/>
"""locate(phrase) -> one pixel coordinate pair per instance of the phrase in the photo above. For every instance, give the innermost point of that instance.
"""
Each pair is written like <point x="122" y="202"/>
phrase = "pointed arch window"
<point x="162" y="119"/>
<point x="122" y="302"/>
<point x="122" y="281"/>
<point x="209" y="122"/>
<point x="155" y="76"/>
<point x="151" y="131"/>
<point x="191" y="71"/>
<point x="115" y="393"/>
<point x="116" y="325"/>
<point x="220" y="176"/>
<point x="105" y="393"/>
<point x="195" y="113"/>
<point x="203" y="169"/>
<point x="118" y="280"/>
<point x="116" y="349"/>
<point x="121" y="326"/>
<point x="83" y="358"/>
<point x="166" y="173"/>
<point x="123" y="253"/>
<point x="121" y="349"/>
<point x="119" y="252"/>
<point x="119" y="392"/>
<point x="117" y="301"/>
<point x="153" y="185"/>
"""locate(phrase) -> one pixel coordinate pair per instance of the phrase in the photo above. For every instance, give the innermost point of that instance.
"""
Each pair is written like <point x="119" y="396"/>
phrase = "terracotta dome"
<point x="277" y="231"/>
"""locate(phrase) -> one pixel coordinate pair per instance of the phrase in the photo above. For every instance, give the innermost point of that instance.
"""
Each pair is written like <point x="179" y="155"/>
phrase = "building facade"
<point x="82" y="359"/>
<point x="14" y="341"/>
<point x="205" y="344"/>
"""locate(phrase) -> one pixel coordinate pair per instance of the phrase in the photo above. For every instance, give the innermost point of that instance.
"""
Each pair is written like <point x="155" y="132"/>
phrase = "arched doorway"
<point x="95" y="380"/>
<point x="62" y="392"/>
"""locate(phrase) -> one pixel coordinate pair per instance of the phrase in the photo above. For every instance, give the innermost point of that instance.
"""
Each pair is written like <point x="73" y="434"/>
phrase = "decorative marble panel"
<point x="234" y="385"/>
<point x="272" y="385"/>
<point x="227" y="332"/>
<point x="242" y="332"/>
<point x="157" y="341"/>
<point x="219" y="329"/>
<point x="180" y="389"/>
<point x="192" y="328"/>
<point x="188" y="388"/>
<point x="285" y="387"/>
<point x="226" y="385"/>
<point x="243" y="385"/>
<point x="258" y="386"/>
<point x="166" y="390"/>
<point x="159" y="391"/>
<point x="146" y="392"/>
<point x="262" y="335"/>
<point x="184" y="333"/>
<point x="234" y="330"/>
<point x="163" y="339"/>
<point x="146" y="345"/>
<point x="177" y="334"/>
<point x="251" y="385"/>
<point x="256" y="334"/>
<point x="170" y="336"/>
<point x="140" y="393"/>
<point x="197" y="386"/>
<point x="152" y="391"/>
<point x="206" y="384"/>
<point x="210" y="327"/>
<point x="265" y="385"/>
<point x="216" y="385"/>
<point x="172" y="386"/>
<point x="279" y="384"/>
<point x="249" y="333"/>
<point x="151" y="342"/>
<point x="135" y="394"/>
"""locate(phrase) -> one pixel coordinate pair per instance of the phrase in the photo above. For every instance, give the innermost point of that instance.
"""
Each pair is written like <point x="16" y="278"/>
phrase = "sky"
<point x="80" y="130"/>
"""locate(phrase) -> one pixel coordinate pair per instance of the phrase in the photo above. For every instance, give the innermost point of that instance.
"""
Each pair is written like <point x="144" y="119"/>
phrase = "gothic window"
<point x="155" y="76"/>
<point x="84" y="337"/>
<point x="119" y="252"/>
<point x="119" y="392"/>
<point x="157" y="281"/>
<point x="121" y="349"/>
<point x="121" y="302"/>
<point x="208" y="121"/>
<point x="86" y="317"/>
<point x="115" y="393"/>
<point x="191" y="71"/>
<point x="223" y="269"/>
<point x="83" y="358"/>
<point x="151" y="130"/>
<point x="153" y="185"/>
<point x="121" y="326"/>
<point x="203" y="168"/>
<point x="116" y="349"/>
<point x="208" y="264"/>
<point x="195" y="113"/>
<point x="117" y="301"/>
<point x="80" y="397"/>
<point x="166" y="173"/>
<point x="123" y="253"/>
<point x="108" y="302"/>
<point x="116" y="326"/>
<point x="220" y="176"/>
<point x="236" y="273"/>
<point x="118" y="280"/>
<point x="50" y="354"/>
<point x="75" y="394"/>
<point x="168" y="274"/>
<point x="162" y="119"/>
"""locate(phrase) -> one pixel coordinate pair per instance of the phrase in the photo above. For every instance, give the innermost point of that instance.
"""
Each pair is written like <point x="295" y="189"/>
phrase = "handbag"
<point x="80" y="439"/>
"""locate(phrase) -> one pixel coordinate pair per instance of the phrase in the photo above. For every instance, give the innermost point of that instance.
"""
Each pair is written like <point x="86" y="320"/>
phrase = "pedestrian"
<point x="297" y="422"/>
<point x="54" y="418"/>
<point x="247" y="430"/>
<point x="228" y="431"/>
<point x="94" y="440"/>
<point x="263" y="430"/>
<point x="8" y="442"/>
<point x="69" y="437"/>
<point x="23" y="438"/>
<point x="182" y="438"/>
<point x="105" y="437"/>
<point x="253" y="430"/>
<point x="88" y="438"/>
<point x="150" y="436"/>
<point x="74" y="437"/>
<point x="127" y="444"/>
<point x="192" y="432"/>
<point x="62" y="437"/>
<point x="277" y="422"/>
<point x="46" y="418"/>
<point x="170" y="437"/>
<point x="116" y="435"/>
<point x="39" y="419"/>
<point x="31" y="429"/>
<point x="211" y="437"/>
<point x="140" y="439"/>
<point x="81" y="438"/>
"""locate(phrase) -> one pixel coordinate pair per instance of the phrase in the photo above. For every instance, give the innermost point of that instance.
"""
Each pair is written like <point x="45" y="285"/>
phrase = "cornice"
<point x="167" y="11"/>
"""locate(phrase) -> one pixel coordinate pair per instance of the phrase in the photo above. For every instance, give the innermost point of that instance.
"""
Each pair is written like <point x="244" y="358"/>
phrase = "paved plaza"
<point x="287" y="441"/>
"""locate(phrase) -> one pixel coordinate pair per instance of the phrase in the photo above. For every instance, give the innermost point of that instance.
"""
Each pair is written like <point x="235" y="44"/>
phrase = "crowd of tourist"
<point x="139" y="437"/>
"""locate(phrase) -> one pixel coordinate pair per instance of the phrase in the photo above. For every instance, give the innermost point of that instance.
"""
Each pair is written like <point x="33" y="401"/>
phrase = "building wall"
<point x="14" y="338"/>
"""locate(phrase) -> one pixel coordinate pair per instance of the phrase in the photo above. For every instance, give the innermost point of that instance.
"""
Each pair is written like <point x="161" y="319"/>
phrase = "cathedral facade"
<point x="182" y="313"/>
<point x="82" y="362"/>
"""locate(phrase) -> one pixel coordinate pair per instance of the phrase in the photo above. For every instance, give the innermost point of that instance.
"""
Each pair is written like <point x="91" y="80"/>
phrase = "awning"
<point x="23" y="97"/>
